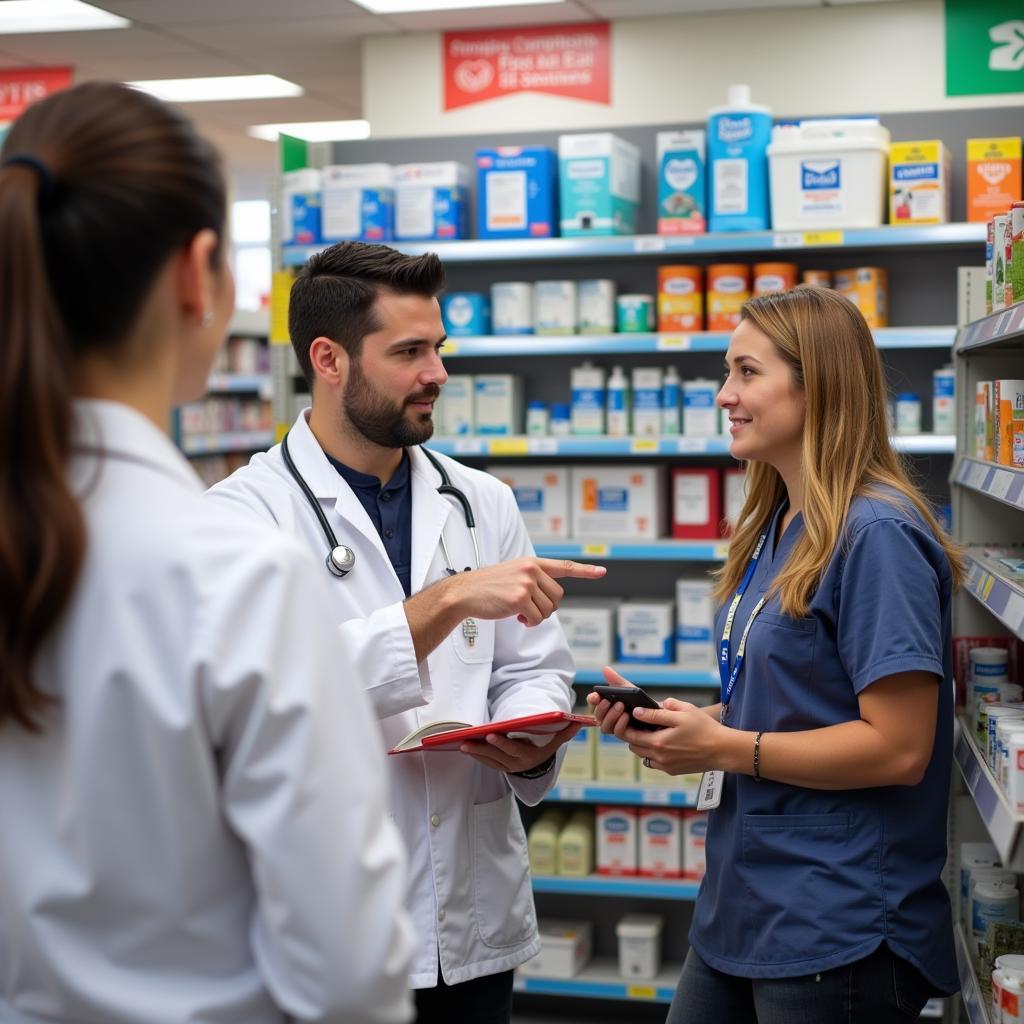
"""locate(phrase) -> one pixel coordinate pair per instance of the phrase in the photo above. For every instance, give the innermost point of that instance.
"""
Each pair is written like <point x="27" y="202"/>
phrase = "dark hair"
<point x="98" y="186"/>
<point x="334" y="293"/>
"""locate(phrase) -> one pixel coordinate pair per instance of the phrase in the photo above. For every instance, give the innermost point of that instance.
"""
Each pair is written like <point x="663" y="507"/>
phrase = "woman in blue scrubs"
<point x="823" y="899"/>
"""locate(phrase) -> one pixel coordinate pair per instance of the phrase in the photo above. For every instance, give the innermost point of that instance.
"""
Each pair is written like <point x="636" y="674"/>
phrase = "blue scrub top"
<point x="803" y="880"/>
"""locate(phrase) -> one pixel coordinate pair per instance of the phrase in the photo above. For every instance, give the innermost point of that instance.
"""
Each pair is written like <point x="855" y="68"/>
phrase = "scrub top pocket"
<point x="793" y="868"/>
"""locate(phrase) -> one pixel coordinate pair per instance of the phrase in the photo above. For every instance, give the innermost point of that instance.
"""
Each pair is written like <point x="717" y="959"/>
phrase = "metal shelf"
<point x="1002" y="483"/>
<point x="600" y="979"/>
<point x="625" y="344"/>
<point x="1003" y="597"/>
<point x="653" y="675"/>
<point x="630" y="794"/>
<point x="649" y="551"/>
<point x="235" y="441"/>
<point x="615" y="885"/>
<point x="1002" y="331"/>
<point x="520" y="446"/>
<point x="654" y="246"/>
<point x="977" y="1011"/>
<point x="240" y="383"/>
<point x="1002" y="823"/>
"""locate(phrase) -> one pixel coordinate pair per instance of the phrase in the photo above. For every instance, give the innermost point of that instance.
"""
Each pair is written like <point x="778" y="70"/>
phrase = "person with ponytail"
<point x="827" y="762"/>
<point x="194" y="825"/>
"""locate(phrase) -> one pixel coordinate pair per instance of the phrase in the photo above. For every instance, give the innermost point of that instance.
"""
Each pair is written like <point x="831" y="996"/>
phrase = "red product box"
<point x="696" y="502"/>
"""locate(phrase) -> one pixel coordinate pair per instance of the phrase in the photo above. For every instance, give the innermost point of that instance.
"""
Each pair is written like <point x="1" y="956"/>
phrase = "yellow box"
<point x="993" y="176"/>
<point x="919" y="182"/>
<point x="868" y="289"/>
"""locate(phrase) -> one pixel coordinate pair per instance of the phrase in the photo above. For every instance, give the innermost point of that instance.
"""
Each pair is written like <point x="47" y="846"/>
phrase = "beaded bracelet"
<point x="757" y="757"/>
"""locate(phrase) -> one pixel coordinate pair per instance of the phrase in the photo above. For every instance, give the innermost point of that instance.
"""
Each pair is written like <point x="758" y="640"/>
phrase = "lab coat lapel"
<point x="430" y="512"/>
<point x="327" y="483"/>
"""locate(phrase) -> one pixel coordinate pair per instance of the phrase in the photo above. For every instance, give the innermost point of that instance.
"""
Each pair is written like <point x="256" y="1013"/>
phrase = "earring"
<point x="206" y="320"/>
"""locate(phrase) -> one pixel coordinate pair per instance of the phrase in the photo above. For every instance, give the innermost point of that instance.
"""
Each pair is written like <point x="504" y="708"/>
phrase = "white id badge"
<point x="710" y="794"/>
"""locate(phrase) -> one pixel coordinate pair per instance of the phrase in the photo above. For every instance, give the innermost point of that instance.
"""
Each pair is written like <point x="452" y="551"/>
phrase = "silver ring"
<point x="647" y="763"/>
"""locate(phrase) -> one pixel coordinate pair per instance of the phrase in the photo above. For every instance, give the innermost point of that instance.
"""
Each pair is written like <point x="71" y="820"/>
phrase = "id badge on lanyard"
<point x="711" y="783"/>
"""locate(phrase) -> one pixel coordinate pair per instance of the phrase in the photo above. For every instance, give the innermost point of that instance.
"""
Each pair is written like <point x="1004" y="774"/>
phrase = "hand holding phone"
<point x="631" y="697"/>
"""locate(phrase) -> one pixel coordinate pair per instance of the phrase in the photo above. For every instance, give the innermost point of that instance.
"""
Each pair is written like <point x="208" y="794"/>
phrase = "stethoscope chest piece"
<point x="340" y="561"/>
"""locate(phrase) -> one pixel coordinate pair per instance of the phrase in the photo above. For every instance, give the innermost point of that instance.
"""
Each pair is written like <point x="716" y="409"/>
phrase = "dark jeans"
<point x="880" y="989"/>
<point x="486" y="1000"/>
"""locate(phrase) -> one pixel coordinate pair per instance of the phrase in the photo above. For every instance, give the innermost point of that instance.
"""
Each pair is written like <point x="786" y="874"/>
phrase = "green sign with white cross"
<point x="984" y="46"/>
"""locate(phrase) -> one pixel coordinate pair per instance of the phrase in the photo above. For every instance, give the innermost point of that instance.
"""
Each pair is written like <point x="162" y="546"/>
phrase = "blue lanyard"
<point x="729" y="678"/>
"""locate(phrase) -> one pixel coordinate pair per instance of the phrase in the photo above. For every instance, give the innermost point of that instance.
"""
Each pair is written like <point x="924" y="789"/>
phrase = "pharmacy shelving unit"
<point x="923" y="307"/>
<point x="988" y="509"/>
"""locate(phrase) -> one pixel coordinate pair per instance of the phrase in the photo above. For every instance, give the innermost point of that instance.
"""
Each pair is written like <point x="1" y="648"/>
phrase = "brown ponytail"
<point x="99" y="185"/>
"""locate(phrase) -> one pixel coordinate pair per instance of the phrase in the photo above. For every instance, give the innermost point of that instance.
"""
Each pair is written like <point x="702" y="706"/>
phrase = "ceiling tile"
<point x="265" y="34"/>
<point x="69" y="47"/>
<point x="130" y="68"/>
<point x="168" y="12"/>
<point x="493" y="17"/>
<point x="648" y="8"/>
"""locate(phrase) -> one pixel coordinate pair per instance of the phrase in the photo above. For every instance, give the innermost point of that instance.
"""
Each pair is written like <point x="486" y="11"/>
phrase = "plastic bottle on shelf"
<point x="908" y="413"/>
<point x="617" y="419"/>
<point x="738" y="137"/>
<point x="671" y="406"/>
<point x="560" y="420"/>
<point x="537" y="418"/>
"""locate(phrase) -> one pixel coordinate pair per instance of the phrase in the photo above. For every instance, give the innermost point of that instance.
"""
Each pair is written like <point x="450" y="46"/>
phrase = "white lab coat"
<point x="200" y="834"/>
<point x="470" y="896"/>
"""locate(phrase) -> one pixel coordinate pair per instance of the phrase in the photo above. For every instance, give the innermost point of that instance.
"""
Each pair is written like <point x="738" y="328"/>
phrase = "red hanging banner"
<point x="21" y="87"/>
<point x="561" y="60"/>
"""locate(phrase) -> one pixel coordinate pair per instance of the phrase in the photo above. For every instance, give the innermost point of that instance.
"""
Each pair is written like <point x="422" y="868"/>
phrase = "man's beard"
<point x="379" y="420"/>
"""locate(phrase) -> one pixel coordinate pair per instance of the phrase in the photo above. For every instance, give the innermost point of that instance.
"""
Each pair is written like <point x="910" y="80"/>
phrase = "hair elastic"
<point x="43" y="173"/>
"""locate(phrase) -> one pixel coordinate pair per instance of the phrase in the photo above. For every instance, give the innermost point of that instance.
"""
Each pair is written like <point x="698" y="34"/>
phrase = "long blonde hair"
<point x="845" y="447"/>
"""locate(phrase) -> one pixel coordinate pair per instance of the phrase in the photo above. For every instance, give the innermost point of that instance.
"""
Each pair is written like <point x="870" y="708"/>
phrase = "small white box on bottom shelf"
<point x="639" y="945"/>
<point x="565" y="947"/>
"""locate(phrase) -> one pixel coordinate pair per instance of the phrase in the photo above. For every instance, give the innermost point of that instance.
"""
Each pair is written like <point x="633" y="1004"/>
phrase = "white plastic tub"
<point x="639" y="938"/>
<point x="828" y="174"/>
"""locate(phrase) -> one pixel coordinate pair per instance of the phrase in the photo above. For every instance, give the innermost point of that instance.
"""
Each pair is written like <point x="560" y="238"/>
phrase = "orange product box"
<point x="728" y="289"/>
<point x="993" y="176"/>
<point x="868" y="289"/>
<point x="696" y="502"/>
<point x="774" y="277"/>
<point x="680" y="299"/>
<point x="1008" y="431"/>
<point x="818" y="278"/>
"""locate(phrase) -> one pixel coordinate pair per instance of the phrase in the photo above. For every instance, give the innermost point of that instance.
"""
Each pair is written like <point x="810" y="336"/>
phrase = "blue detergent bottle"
<point x="738" y="137"/>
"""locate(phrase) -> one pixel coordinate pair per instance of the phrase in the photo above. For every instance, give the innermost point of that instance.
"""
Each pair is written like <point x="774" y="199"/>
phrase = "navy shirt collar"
<point x="366" y="482"/>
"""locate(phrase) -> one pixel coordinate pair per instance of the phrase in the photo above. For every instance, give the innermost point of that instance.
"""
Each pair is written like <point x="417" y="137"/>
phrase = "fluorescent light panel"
<point x="418" y="6"/>
<point x="313" y="131"/>
<point x="225" y="87"/>
<point x="19" y="17"/>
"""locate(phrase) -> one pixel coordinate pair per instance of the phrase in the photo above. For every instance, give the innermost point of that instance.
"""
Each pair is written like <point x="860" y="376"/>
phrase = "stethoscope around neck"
<point x="341" y="559"/>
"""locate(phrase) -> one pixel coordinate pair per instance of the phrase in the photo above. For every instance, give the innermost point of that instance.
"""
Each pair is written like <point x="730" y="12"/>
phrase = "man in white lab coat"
<point x="471" y="646"/>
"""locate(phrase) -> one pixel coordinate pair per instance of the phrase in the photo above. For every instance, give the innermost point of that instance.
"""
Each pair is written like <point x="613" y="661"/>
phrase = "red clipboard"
<point x="451" y="735"/>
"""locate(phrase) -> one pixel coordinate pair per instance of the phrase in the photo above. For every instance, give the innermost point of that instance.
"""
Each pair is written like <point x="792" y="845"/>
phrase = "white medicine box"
<point x="618" y="502"/>
<point x="542" y="494"/>
<point x="646" y="631"/>
<point x="616" y="839"/>
<point x="565" y="947"/>
<point x="695" y="620"/>
<point x="498" y="403"/>
<point x="590" y="629"/>
<point x="453" y="410"/>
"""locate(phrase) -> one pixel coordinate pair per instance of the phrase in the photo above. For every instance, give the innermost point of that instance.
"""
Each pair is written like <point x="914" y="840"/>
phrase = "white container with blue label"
<point x="466" y="314"/>
<point x="588" y="384"/>
<point x="358" y="203"/>
<point x="431" y="201"/>
<point x="829" y="174"/>
<point x="512" y="307"/>
<point x="599" y="184"/>
<point x="738" y="137"/>
<point x="700" y="412"/>
<point x="517" y="192"/>
<point x="300" y="207"/>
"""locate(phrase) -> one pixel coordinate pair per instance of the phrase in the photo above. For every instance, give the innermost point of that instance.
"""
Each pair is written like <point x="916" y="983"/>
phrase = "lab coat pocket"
<point x="473" y="643"/>
<point x="798" y="868"/>
<point x="502" y="898"/>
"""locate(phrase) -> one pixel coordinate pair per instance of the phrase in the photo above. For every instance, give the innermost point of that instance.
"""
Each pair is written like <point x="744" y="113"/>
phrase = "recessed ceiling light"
<point x="225" y="87"/>
<point x="414" y="6"/>
<point x="22" y="16"/>
<point x="313" y="131"/>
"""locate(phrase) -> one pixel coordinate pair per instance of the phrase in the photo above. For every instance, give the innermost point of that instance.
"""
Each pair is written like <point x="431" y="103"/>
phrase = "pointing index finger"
<point x="558" y="568"/>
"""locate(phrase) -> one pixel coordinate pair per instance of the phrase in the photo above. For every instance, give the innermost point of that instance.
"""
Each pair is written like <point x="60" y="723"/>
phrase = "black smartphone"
<point x="631" y="697"/>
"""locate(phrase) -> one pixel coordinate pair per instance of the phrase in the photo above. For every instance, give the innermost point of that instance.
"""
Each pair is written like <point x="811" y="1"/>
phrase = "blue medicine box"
<point x="517" y="192"/>
<point x="357" y="203"/>
<point x="466" y="314"/>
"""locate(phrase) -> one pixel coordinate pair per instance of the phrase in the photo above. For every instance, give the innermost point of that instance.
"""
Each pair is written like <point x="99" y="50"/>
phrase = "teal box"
<point x="599" y="184"/>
